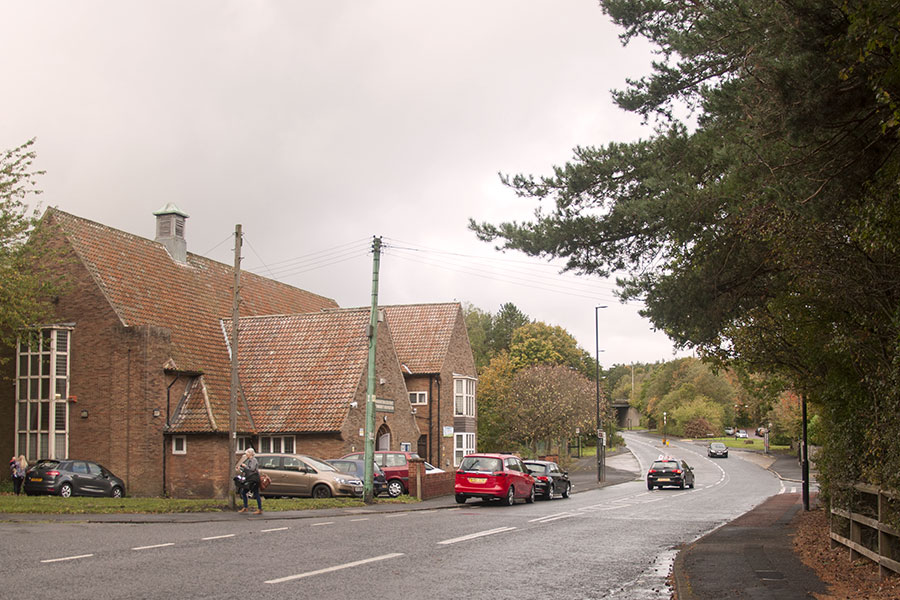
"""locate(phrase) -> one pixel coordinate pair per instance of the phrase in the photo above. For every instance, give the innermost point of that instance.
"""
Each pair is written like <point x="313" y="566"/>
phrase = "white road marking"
<point x="548" y="517"/>
<point x="472" y="536"/>
<point x="363" y="519"/>
<point x="218" y="537"/>
<point x="52" y="560"/>
<point x="275" y="529"/>
<point x="325" y="523"/>
<point x="335" y="568"/>
<point x="554" y="518"/>
<point x="396" y="515"/>
<point x="154" y="546"/>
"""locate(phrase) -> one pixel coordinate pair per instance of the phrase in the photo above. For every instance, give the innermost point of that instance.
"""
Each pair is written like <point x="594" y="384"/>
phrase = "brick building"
<point x="134" y="372"/>
<point x="436" y="358"/>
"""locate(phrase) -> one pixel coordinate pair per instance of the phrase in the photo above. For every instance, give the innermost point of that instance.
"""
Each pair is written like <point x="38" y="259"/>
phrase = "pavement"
<point x="750" y="557"/>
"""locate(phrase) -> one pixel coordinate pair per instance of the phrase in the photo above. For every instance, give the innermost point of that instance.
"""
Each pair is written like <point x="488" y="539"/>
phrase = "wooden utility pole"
<point x="372" y="333"/>
<point x="235" y="315"/>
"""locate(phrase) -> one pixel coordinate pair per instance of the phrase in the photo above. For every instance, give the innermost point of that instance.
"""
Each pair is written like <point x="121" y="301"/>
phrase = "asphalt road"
<point x="612" y="542"/>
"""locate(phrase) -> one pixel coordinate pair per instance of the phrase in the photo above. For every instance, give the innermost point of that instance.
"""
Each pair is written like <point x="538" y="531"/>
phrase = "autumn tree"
<point x="538" y="343"/>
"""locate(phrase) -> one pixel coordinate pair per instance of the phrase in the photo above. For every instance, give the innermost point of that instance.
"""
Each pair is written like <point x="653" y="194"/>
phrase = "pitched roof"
<point x="422" y="333"/>
<point x="145" y="286"/>
<point x="300" y="372"/>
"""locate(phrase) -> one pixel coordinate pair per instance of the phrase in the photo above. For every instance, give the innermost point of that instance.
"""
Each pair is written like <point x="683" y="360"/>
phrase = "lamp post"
<point x="601" y="447"/>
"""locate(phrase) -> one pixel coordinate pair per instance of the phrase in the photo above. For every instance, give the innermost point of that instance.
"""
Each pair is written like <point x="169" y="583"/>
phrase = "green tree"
<point x="539" y="343"/>
<point x="27" y="283"/>
<point x="504" y="323"/>
<point x="478" y="326"/>
<point x="766" y="233"/>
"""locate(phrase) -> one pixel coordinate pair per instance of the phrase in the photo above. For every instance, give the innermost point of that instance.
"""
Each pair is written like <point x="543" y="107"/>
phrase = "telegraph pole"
<point x="235" y="314"/>
<point x="372" y="333"/>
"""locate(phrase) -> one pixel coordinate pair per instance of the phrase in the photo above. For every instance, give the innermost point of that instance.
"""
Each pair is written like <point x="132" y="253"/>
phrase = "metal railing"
<point x="859" y="519"/>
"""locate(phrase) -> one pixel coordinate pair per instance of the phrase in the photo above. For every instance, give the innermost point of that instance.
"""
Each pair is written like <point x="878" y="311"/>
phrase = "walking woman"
<point x="249" y="468"/>
<point x="19" y="478"/>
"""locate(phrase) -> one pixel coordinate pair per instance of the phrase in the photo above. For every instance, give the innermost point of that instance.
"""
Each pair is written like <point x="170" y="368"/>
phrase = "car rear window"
<point x="664" y="465"/>
<point x="481" y="463"/>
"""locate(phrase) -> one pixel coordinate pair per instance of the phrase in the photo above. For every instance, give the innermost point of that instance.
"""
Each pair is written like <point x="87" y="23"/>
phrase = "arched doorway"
<point x="383" y="439"/>
<point x="422" y="447"/>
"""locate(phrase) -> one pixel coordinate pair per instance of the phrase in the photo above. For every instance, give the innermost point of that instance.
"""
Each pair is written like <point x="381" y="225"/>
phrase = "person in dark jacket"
<point x="249" y="468"/>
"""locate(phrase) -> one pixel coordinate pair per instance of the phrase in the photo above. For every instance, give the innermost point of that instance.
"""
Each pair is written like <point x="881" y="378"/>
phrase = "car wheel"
<point x="117" y="492"/>
<point x="692" y="485"/>
<point x="510" y="496"/>
<point x="649" y="486"/>
<point x="321" y="491"/>
<point x="681" y="485"/>
<point x="530" y="498"/>
<point x="460" y="499"/>
<point x="567" y="490"/>
<point x="65" y="490"/>
<point x="395" y="488"/>
<point x="550" y="492"/>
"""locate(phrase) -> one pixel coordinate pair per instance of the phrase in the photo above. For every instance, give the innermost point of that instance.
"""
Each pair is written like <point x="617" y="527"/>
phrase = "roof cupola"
<point x="170" y="231"/>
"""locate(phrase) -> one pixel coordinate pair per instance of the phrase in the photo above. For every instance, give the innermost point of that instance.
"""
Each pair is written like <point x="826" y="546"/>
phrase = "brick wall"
<point x="433" y="486"/>
<point x="204" y="471"/>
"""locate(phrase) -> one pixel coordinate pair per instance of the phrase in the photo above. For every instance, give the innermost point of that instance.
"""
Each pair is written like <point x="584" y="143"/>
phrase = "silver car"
<point x="301" y="475"/>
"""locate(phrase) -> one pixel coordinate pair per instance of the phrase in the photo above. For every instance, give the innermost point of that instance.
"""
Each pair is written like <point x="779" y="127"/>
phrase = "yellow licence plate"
<point x="37" y="479"/>
<point x="477" y="479"/>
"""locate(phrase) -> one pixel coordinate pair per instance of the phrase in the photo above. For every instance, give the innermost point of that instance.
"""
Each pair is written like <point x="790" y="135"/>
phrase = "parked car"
<point x="717" y="449"/>
<point x="430" y="469"/>
<point x="357" y="468"/>
<point x="493" y="477"/>
<point x="741" y="433"/>
<point x="668" y="471"/>
<point x="729" y="431"/>
<point x="549" y="479"/>
<point x="395" y="466"/>
<point x="72" y="478"/>
<point x="301" y="475"/>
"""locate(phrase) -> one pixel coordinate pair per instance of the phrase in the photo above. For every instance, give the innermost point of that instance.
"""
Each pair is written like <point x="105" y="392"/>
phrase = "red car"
<point x="395" y="466"/>
<point x="493" y="477"/>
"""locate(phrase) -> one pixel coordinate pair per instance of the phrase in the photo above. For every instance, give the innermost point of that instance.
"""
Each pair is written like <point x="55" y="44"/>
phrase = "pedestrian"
<point x="13" y="467"/>
<point x="19" y="478"/>
<point x="249" y="468"/>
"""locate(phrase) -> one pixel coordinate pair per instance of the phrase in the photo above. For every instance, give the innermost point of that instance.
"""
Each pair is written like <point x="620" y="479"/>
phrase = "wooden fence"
<point x="859" y="521"/>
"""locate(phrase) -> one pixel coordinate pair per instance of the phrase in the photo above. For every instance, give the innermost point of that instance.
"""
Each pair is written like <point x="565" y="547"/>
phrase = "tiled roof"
<point x="145" y="286"/>
<point x="300" y="372"/>
<point x="422" y="333"/>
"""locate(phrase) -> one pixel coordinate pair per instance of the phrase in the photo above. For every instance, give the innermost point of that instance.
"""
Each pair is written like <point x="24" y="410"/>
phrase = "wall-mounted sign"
<point x="405" y="447"/>
<point x="448" y="430"/>
<point x="383" y="405"/>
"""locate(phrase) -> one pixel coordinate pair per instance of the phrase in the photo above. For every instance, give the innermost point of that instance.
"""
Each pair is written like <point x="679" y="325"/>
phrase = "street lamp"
<point x="601" y="447"/>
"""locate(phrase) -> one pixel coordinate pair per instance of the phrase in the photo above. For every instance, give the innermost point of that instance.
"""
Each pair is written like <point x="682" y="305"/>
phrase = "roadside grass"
<point x="10" y="503"/>
<point x="747" y="443"/>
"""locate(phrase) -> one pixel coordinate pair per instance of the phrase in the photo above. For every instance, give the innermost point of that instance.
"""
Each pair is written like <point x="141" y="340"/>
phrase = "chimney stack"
<point x="170" y="231"/>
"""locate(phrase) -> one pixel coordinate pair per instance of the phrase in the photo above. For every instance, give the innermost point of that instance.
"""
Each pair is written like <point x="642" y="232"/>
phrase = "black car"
<point x="549" y="479"/>
<point x="357" y="468"/>
<point x="716" y="449"/>
<point x="670" y="471"/>
<point x="72" y="478"/>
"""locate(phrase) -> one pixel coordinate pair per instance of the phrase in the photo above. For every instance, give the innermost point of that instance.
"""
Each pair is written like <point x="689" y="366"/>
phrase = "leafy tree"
<point x="478" y="326"/>
<point x="547" y="403"/>
<point x="699" y="416"/>
<point x="494" y="383"/>
<point x="765" y="234"/>
<point x="27" y="285"/>
<point x="539" y="343"/>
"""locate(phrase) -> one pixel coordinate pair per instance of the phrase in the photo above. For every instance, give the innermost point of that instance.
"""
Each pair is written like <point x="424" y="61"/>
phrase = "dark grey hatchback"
<point x="667" y="471"/>
<point x="72" y="478"/>
<point x="549" y="479"/>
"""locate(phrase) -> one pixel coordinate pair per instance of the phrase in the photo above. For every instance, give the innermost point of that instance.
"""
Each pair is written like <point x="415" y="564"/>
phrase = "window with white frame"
<point x="243" y="442"/>
<point x="464" y="397"/>
<point x="42" y="393"/>
<point x="179" y="444"/>
<point x="277" y="443"/>
<point x="418" y="398"/>
<point x="464" y="443"/>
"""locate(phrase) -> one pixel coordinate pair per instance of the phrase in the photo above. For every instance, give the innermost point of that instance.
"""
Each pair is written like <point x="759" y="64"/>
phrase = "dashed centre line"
<point x="335" y="568"/>
<point x="53" y="560"/>
<point x="154" y="546"/>
<point x="472" y="536"/>
<point x="219" y="537"/>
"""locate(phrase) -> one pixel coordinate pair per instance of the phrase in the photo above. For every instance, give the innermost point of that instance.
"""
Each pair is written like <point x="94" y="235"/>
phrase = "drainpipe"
<point x="440" y="426"/>
<point x="430" y="423"/>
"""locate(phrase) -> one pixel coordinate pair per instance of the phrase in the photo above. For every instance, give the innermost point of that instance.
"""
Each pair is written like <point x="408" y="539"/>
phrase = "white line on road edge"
<point x="275" y="529"/>
<point x="363" y="519"/>
<point x="395" y="515"/>
<point x="218" y="537"/>
<point x="555" y="517"/>
<point x="477" y="535"/>
<point x="154" y="546"/>
<point x="50" y="560"/>
<point x="335" y="568"/>
<point x="325" y="523"/>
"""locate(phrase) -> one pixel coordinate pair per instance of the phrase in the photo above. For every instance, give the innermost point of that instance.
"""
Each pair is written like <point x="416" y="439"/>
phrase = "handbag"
<point x="264" y="481"/>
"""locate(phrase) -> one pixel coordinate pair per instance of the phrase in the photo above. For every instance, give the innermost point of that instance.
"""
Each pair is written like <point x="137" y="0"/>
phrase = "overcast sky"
<point x="318" y="125"/>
